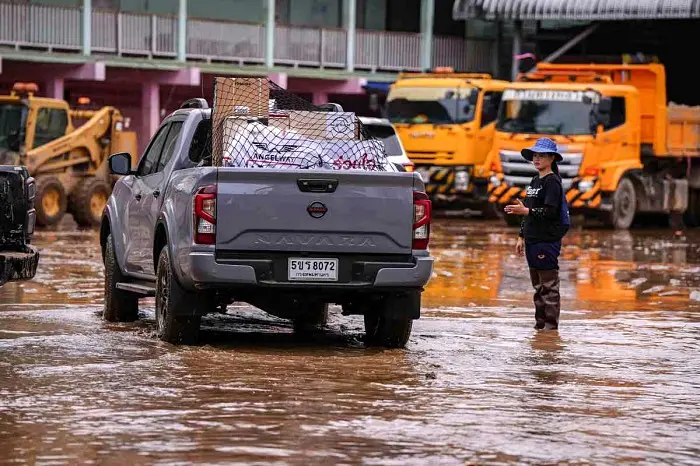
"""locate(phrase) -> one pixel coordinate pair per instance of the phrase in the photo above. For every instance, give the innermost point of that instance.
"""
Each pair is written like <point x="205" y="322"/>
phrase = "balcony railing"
<point x="130" y="34"/>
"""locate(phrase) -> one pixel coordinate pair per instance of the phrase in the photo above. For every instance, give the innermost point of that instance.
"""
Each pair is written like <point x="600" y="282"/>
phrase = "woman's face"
<point x="542" y="161"/>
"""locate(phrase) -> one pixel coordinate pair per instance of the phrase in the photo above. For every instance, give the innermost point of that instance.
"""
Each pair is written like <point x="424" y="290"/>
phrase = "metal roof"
<point x="575" y="9"/>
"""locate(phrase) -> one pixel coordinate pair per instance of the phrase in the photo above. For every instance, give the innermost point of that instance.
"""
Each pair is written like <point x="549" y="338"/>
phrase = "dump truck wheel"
<point x="88" y="201"/>
<point x="51" y="201"/>
<point x="624" y="206"/>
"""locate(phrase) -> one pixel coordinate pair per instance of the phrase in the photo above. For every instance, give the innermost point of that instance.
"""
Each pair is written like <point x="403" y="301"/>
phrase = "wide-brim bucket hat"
<point x="542" y="146"/>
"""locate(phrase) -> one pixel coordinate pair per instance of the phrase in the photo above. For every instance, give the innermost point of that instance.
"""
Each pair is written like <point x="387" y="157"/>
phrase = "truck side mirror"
<point x="120" y="163"/>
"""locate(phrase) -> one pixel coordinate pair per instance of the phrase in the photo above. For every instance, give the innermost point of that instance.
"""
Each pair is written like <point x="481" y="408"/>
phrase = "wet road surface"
<point x="618" y="384"/>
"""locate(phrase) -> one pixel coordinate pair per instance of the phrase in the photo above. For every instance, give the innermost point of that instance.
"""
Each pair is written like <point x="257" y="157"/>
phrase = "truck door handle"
<point x="317" y="185"/>
<point x="138" y="197"/>
<point x="156" y="193"/>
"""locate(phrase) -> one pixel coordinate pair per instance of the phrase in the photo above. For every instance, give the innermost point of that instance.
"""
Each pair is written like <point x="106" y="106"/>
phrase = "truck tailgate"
<point x="315" y="212"/>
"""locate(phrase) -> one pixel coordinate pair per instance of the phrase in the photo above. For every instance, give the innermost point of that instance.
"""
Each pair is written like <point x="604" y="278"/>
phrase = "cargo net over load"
<point x="257" y="124"/>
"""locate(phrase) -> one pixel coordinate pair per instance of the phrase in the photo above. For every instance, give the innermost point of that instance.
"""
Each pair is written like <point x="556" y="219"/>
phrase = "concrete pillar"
<point x="87" y="27"/>
<point x="350" y="31"/>
<point x="150" y="112"/>
<point x="270" y="33"/>
<point x="319" y="98"/>
<point x="182" y="31"/>
<point x="517" y="48"/>
<point x="496" y="50"/>
<point x="427" y="16"/>
<point x="54" y="88"/>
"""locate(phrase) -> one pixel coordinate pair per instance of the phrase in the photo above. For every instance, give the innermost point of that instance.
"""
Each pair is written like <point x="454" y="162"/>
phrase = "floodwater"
<point x="619" y="383"/>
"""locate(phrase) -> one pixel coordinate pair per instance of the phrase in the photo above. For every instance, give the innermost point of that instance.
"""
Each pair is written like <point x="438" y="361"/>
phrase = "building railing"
<point x="131" y="34"/>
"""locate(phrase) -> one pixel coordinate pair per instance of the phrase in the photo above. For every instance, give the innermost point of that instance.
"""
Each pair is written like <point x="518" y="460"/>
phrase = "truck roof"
<point x="447" y="81"/>
<point x="607" y="89"/>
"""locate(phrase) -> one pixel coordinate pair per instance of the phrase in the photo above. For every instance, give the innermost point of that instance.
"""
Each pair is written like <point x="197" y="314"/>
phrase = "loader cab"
<point x="28" y="122"/>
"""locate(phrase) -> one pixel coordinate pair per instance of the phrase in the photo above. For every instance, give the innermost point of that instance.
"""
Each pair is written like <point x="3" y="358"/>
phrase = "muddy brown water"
<point x="618" y="384"/>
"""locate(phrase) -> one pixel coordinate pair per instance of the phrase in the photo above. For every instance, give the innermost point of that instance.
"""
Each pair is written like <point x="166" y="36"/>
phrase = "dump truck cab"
<point x="618" y="139"/>
<point x="446" y="122"/>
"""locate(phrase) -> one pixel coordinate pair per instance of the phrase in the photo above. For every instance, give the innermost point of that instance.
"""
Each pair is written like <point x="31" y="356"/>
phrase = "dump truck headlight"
<point x="585" y="185"/>
<point x="495" y="181"/>
<point x="461" y="181"/>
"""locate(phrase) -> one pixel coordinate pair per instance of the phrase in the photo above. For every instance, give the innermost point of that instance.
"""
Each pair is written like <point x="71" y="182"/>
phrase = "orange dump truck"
<point x="625" y="150"/>
<point x="446" y="120"/>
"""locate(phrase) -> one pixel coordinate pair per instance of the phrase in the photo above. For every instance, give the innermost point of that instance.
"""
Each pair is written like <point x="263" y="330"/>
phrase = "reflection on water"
<point x="477" y="385"/>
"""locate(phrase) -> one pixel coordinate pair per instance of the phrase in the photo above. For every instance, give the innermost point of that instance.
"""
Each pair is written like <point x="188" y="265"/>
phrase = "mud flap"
<point x="18" y="265"/>
<point x="402" y="305"/>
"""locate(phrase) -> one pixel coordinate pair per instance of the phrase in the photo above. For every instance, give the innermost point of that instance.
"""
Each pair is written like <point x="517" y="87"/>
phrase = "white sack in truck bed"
<point x="257" y="124"/>
<point x="255" y="145"/>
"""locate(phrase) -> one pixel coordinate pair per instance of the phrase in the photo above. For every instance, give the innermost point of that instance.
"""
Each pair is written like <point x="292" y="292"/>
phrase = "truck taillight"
<point x="422" y="212"/>
<point x="205" y="215"/>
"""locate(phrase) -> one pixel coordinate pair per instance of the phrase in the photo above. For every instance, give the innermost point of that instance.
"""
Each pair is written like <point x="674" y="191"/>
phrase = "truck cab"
<point x="446" y="123"/>
<point x="614" y="131"/>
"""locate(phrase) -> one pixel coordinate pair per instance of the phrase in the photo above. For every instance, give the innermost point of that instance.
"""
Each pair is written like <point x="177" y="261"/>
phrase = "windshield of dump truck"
<point x="557" y="112"/>
<point x="436" y="105"/>
<point x="12" y="118"/>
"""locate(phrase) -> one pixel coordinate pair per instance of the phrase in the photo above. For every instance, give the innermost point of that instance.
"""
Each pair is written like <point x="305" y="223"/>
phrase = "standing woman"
<point x="545" y="222"/>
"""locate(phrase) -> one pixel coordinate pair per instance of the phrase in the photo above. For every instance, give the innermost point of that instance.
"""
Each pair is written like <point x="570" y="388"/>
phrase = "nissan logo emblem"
<point x="317" y="209"/>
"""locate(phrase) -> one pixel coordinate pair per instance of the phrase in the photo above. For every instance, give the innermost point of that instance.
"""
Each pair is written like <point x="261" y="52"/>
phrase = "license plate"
<point x="313" y="270"/>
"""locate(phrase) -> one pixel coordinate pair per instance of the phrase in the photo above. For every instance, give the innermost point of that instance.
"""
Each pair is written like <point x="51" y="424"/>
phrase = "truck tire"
<point x="88" y="200"/>
<point x="624" y="206"/>
<point x="315" y="316"/>
<point x="120" y="305"/>
<point x="391" y="326"/>
<point x="171" y="325"/>
<point x="51" y="201"/>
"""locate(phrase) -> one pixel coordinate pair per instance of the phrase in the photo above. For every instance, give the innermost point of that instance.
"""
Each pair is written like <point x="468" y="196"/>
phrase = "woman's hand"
<point x="517" y="209"/>
<point x="520" y="247"/>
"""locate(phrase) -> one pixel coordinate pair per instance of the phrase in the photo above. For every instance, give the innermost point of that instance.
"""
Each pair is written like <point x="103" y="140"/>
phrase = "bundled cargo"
<point x="258" y="124"/>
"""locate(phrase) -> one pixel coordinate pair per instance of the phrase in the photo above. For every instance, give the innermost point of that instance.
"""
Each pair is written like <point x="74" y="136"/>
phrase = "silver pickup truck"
<point x="288" y="241"/>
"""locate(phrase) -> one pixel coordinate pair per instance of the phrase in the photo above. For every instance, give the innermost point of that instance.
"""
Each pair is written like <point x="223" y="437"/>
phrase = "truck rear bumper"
<point x="204" y="271"/>
<point x="18" y="265"/>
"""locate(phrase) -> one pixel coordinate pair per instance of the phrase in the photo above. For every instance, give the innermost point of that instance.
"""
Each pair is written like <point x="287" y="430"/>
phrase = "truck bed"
<point x="683" y="133"/>
<point x="329" y="212"/>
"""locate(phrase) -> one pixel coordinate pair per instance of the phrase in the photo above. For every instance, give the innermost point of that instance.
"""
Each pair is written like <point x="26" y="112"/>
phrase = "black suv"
<point x="18" y="260"/>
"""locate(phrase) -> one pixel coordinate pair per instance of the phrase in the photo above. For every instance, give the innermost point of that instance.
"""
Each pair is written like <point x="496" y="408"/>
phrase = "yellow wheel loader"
<point x="67" y="159"/>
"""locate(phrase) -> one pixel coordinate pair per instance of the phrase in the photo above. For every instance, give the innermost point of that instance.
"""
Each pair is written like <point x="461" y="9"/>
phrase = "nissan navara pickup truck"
<point x="288" y="241"/>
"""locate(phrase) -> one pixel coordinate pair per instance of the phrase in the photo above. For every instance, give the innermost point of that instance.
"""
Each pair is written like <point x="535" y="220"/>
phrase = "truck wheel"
<point x="50" y="201"/>
<point x="391" y="326"/>
<point x="88" y="200"/>
<point x="624" y="206"/>
<point x="314" y="318"/>
<point x="170" y="326"/>
<point x="120" y="305"/>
